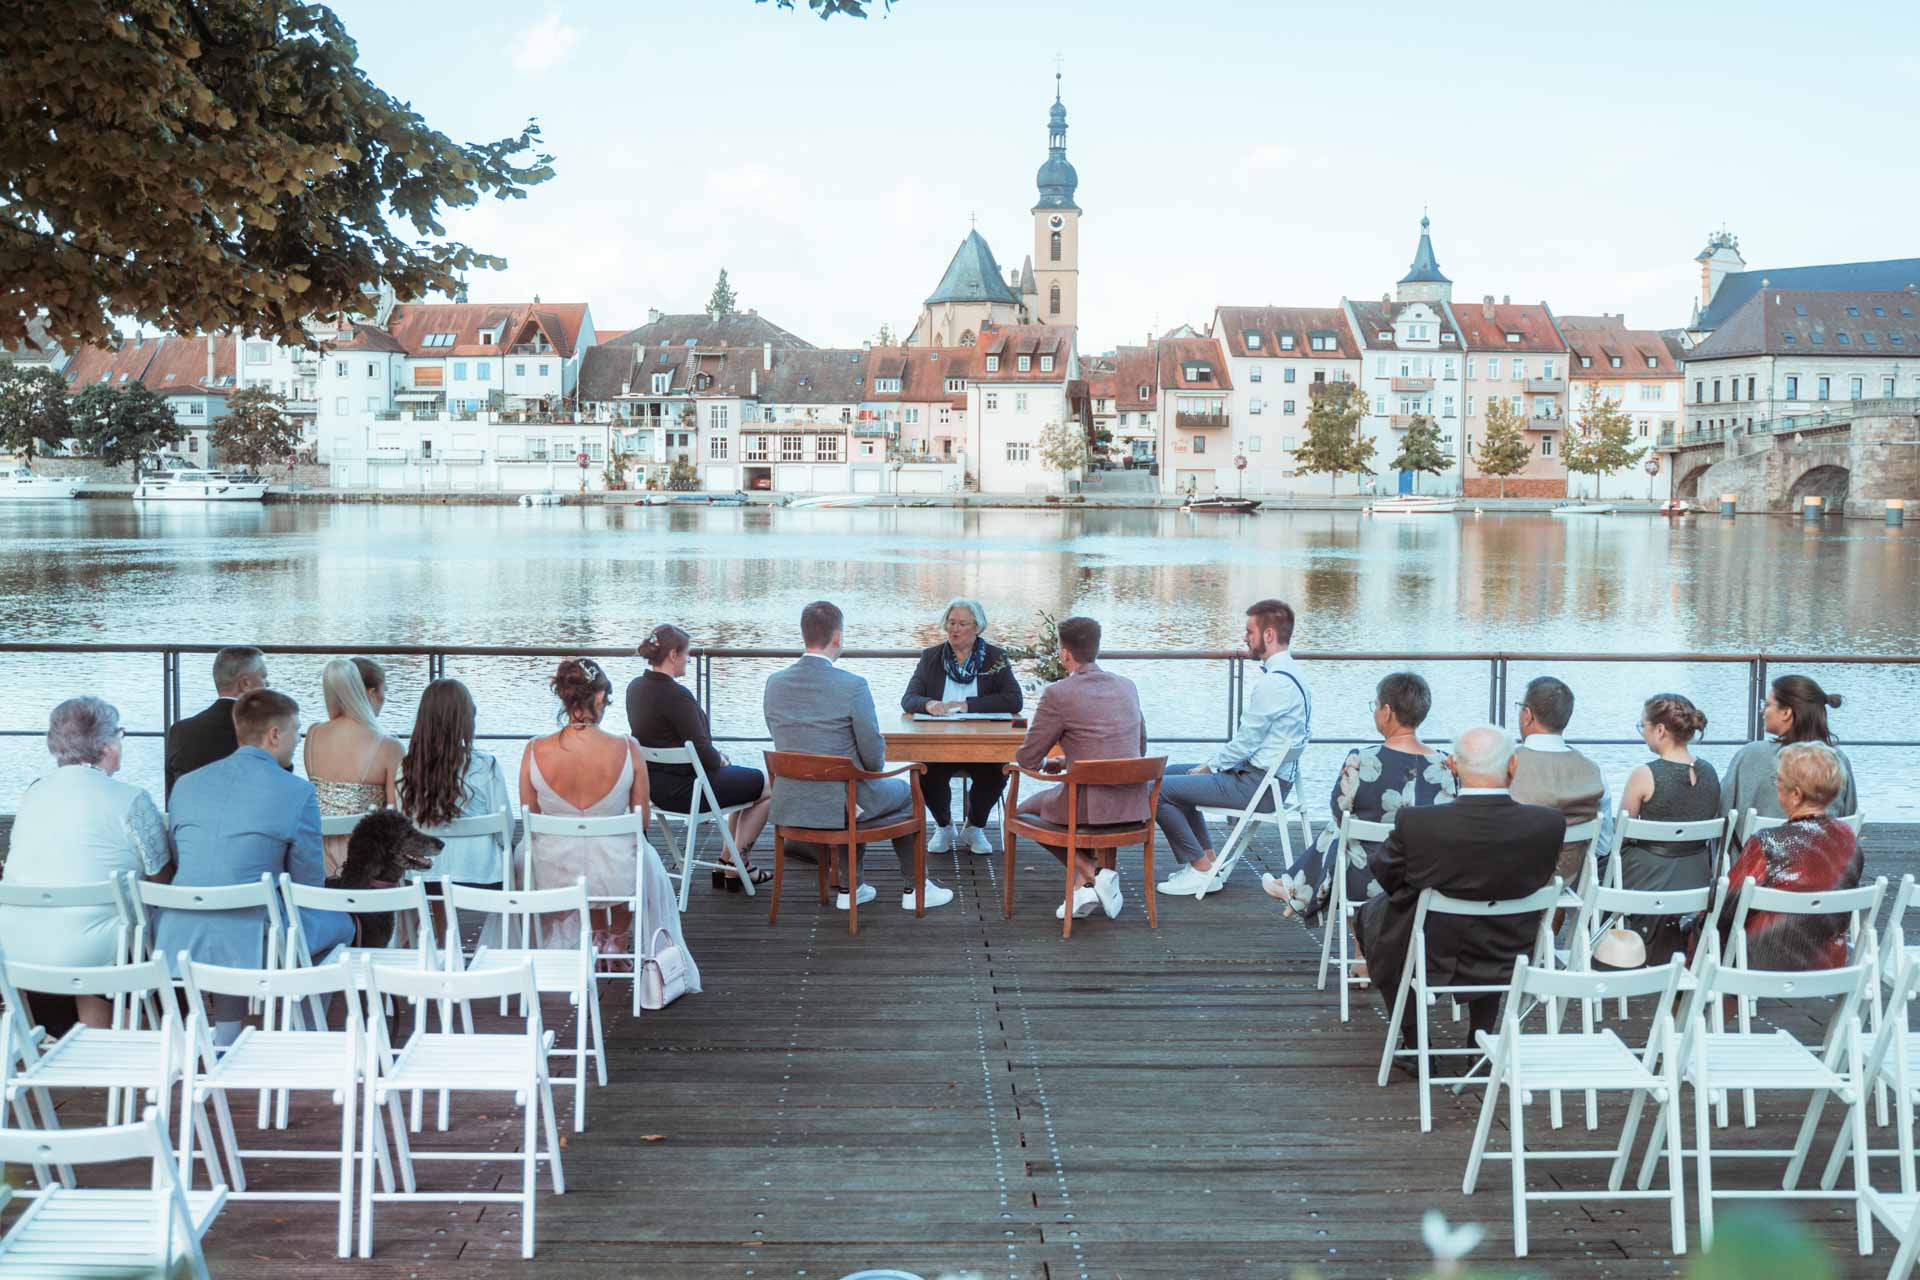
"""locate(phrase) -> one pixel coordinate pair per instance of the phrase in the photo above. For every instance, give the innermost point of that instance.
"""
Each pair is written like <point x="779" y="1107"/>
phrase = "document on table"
<point x="967" y="715"/>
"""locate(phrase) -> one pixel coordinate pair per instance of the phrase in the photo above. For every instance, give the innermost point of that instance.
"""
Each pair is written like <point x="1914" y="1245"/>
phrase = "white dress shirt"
<point x="1274" y="724"/>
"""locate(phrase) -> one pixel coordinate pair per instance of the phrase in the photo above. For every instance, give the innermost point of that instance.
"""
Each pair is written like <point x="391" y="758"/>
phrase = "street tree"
<point x="828" y="8"/>
<point x="217" y="165"/>
<point x="683" y="476"/>
<point x="256" y="429"/>
<point x="1335" y="441"/>
<point x="33" y="409"/>
<point x="121" y="425"/>
<point x="723" y="301"/>
<point x="1504" y="452"/>
<point x="1420" y="450"/>
<point x="1602" y="441"/>
<point x="1063" y="448"/>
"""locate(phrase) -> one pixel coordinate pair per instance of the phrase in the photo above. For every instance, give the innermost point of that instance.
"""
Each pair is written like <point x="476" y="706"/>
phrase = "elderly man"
<point x="234" y="819"/>
<point x="1547" y="771"/>
<point x="1090" y="715"/>
<point x="815" y="707"/>
<point x="208" y="736"/>
<point x="1485" y="846"/>
<point x="1274" y="727"/>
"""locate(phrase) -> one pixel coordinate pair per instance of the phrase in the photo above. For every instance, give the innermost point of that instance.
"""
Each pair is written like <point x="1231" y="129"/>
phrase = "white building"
<point x="1197" y="432"/>
<point x="1638" y="372"/>
<point x="1275" y="357"/>
<point x="1018" y="387"/>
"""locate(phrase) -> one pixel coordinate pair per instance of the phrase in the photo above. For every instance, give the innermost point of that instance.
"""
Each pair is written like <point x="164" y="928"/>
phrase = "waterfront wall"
<point x="309" y="475"/>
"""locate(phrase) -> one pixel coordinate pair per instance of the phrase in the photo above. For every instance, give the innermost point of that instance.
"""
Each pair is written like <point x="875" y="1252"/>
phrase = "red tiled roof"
<point x="1178" y="354"/>
<point x="366" y="337"/>
<point x="606" y="335"/>
<point x="180" y="364"/>
<point x="1601" y="338"/>
<point x="411" y="322"/>
<point x="924" y="374"/>
<point x="118" y="365"/>
<point x="1484" y="326"/>
<point x="1232" y="324"/>
<point x="1011" y="341"/>
<point x="1133" y="369"/>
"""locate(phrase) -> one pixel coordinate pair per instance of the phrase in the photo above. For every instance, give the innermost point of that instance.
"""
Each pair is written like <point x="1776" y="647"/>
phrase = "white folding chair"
<point x="298" y="1057"/>
<point x="341" y="824"/>
<point x="1270" y="805"/>
<point x="1707" y="831"/>
<point x="1743" y="826"/>
<point x="705" y="807"/>
<point x="406" y="903"/>
<point x="556" y="971"/>
<point x="1591" y="1060"/>
<point x="1415" y="985"/>
<point x="1891" y="1061"/>
<point x="1715" y="1061"/>
<point x="513" y="1063"/>
<point x="124" y="1056"/>
<point x="1341" y="908"/>
<point x="626" y="826"/>
<point x="145" y="1231"/>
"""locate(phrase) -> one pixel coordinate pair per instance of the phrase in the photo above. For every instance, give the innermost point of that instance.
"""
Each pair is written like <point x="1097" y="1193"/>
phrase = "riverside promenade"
<point x="972" y="1094"/>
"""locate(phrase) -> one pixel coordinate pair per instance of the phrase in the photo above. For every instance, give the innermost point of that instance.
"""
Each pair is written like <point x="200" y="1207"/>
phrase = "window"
<point x="1855" y="388"/>
<point x="483" y="371"/>
<point x="1053" y="247"/>
<point x="1026" y="364"/>
<point x="1716" y="391"/>
<point x="716" y="417"/>
<point x="1017" y="450"/>
<point x="543" y="370"/>
<point x="1793" y="386"/>
<point x="826" y="448"/>
<point x="486" y="338"/>
<point x="373" y="404"/>
<point x="1199" y="444"/>
<point x="1469" y="406"/>
<point x="1842" y="338"/>
<point x="1546" y="367"/>
<point x="913" y="416"/>
<point x="1019" y="402"/>
<point x="1823" y="388"/>
<point x="1446" y="406"/>
<point x="1286" y="375"/>
<point x="1446" y="369"/>
<point x="992" y="402"/>
<point x="1286" y="342"/>
<point x="1380" y="366"/>
<point x="437" y="340"/>
<point x="956" y="385"/>
<point x="1253" y="406"/>
<point x="993" y="364"/>
<point x="1519" y="369"/>
<point x="1516" y="403"/>
<point x="1145" y="391"/>
<point x="846" y="414"/>
<point x="1546" y="446"/>
<point x="1254" y="375"/>
<point x="537" y="448"/>
<point x="1046" y="364"/>
<point x="1053" y="301"/>
<point x="793" y="448"/>
<point x="1642" y="424"/>
<point x="459" y="370"/>
<point x="1699" y="390"/>
<point x="1513" y="337"/>
<point x="1286" y="406"/>
<point x="660" y="383"/>
<point x="340" y="406"/>
<point x="1287" y="443"/>
<point x="717" y="448"/>
<point x="1586" y="362"/>
<point x="1252" y="338"/>
<point x="519" y="370"/>
<point x="1886" y="387"/>
<point x="1253" y="444"/>
<point x="1654" y="390"/>
<point x="1379" y="404"/>
<point x="886" y="384"/>
<point x="1322" y="342"/>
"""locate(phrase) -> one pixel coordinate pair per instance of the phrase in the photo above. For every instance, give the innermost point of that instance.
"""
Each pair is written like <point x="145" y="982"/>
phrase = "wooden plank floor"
<point x="965" y="1093"/>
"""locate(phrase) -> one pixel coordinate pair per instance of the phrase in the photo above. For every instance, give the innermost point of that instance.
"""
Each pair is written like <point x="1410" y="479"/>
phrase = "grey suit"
<point x="815" y="707"/>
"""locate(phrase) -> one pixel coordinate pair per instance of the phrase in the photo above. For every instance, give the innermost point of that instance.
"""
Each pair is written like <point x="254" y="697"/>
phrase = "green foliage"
<point x="885" y="337"/>
<point x="216" y="165"/>
<point x="722" y="302"/>
<point x="33" y="409"/>
<point x="1420" y="449"/>
<point x="1042" y="654"/>
<point x="827" y="8"/>
<point x="256" y="429"/>
<point x="1603" y="440"/>
<point x="1063" y="448"/>
<point x="1335" y="442"/>
<point x="123" y="424"/>
<point x="683" y="476"/>
<point x="1505" y="451"/>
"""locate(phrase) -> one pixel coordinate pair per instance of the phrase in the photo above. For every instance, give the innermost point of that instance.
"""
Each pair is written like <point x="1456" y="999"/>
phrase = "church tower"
<point x="1056" y="227"/>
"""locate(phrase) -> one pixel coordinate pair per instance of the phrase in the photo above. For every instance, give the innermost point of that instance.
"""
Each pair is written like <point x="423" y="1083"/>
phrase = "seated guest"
<point x="208" y="736"/>
<point x="1090" y="715"/>
<point x="234" y="819"/>
<point x="79" y="825"/>
<point x="350" y="759"/>
<point x="1675" y="786"/>
<point x="1813" y="852"/>
<point x="1275" y="724"/>
<point x="445" y="778"/>
<point x="1796" y="711"/>
<point x="662" y="713"/>
<point x="1485" y="846"/>
<point x="964" y="673"/>
<point x="1547" y="771"/>
<point x="1373" y="784"/>
<point x="583" y="771"/>
<point x="816" y="708"/>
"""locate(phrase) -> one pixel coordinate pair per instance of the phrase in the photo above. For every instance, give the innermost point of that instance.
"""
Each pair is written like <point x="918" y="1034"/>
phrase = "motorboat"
<point x="187" y="485"/>
<point x="21" y="482"/>
<point x="823" y="500"/>
<point x="547" y="499"/>
<point x="1222" y="506"/>
<point x="1680" y="507"/>
<point x="685" y="500"/>
<point x="1584" y="509"/>
<point x="1413" y="505"/>
<point x="734" y="499"/>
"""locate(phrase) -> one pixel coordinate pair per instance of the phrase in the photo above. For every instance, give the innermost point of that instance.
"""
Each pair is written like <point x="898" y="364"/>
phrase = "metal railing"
<point x="1498" y="664"/>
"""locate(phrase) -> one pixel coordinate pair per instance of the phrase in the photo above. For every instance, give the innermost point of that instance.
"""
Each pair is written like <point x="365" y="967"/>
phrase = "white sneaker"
<point x="1186" y="882"/>
<point x="1106" y="886"/>
<point x="937" y="896"/>
<point x="977" y="841"/>
<point x="941" y="841"/>
<point x="867" y="894"/>
<point x="1085" y="903"/>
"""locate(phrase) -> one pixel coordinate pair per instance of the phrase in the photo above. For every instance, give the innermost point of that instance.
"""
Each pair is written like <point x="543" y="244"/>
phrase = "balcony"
<point x="531" y="349"/>
<point x="877" y="429"/>
<point x="1546" y="386"/>
<point x="1401" y="421"/>
<point x="1200" y="421"/>
<point x="303" y="406"/>
<point x="1413" y="384"/>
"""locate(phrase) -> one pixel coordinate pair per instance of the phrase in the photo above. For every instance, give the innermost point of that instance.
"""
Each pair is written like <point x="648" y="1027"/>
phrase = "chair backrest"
<point x="341" y="824"/>
<point x="94" y="893"/>
<point x="1663" y="832"/>
<point x="1770" y="984"/>
<point x="290" y="987"/>
<point x="670" y="755"/>
<point x="1583" y="833"/>
<point x="103" y="980"/>
<point x="212" y="897"/>
<point x="1859" y="904"/>
<point x="1120" y="772"/>
<point x="1894" y="941"/>
<point x="1751" y="823"/>
<point x="498" y="823"/>
<point x="633" y="824"/>
<point x="1353" y="829"/>
<point x="410" y="897"/>
<point x="1543" y="983"/>
<point x="802" y="766"/>
<point x="1432" y="901"/>
<point x="173" y="1228"/>
<point x="515" y="907"/>
<point x="441" y="985"/>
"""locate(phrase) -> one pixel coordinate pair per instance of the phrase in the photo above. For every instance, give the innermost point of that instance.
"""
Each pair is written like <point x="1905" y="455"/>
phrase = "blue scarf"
<point x="969" y="671"/>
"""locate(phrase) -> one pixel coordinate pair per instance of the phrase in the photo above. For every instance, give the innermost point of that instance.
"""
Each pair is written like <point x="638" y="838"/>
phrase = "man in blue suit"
<point x="232" y="820"/>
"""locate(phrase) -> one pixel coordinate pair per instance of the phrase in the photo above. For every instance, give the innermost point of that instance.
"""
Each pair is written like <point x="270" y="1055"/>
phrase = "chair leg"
<point x="555" y="1172"/>
<point x="1146" y="863"/>
<point x="1484" y="1128"/>
<point x="1336" y="915"/>
<point x="1006" y="886"/>
<point x="529" y="1168"/>
<point x="779" y="874"/>
<point x="599" y="1037"/>
<point x="349" y="1098"/>
<point x="369" y="1136"/>
<point x="853" y="890"/>
<point x="580" y="1063"/>
<point x="1703" y="1156"/>
<point x="1516" y="1123"/>
<point x="1346" y="959"/>
<point x="1421" y="1034"/>
<point x="1066" y="920"/>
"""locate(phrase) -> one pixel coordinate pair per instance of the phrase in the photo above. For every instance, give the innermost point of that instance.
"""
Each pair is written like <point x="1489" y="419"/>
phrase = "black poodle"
<point x="380" y="852"/>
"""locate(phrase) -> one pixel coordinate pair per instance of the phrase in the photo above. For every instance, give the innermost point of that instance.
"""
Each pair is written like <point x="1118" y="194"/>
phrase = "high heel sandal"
<point x="730" y="880"/>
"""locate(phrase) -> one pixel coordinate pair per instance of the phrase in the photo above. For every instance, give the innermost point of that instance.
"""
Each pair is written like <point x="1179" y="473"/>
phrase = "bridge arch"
<point x="1688" y="487"/>
<point x="1828" y="483"/>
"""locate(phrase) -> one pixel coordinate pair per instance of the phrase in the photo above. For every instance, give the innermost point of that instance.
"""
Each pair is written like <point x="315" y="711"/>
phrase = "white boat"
<point x="817" y="500"/>
<point x="1585" y="509"/>
<point x="21" y="482"/>
<point x="548" y="499"/>
<point x="200" y="486"/>
<point x="1410" y="505"/>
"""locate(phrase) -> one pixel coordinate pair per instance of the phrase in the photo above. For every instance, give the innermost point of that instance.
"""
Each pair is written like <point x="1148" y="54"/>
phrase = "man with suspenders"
<point x="1275" y="724"/>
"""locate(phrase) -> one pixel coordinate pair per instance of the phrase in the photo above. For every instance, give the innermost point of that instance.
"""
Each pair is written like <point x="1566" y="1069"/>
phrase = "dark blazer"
<point x="199" y="740"/>
<point x="1481" y="847"/>
<point x="662" y="712"/>
<point x="999" y="691"/>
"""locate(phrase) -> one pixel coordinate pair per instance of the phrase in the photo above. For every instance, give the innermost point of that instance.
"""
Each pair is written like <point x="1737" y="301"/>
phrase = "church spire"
<point x="1057" y="180"/>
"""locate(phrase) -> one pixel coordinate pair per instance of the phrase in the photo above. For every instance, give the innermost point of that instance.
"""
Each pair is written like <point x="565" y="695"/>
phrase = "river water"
<point x="312" y="574"/>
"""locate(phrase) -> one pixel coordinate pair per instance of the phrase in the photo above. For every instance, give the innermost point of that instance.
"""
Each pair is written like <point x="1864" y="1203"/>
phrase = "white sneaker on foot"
<point x="937" y="896"/>
<point x="867" y="894"/>
<point x="941" y="841"/>
<point x="976" y="841"/>
<point x="1106" y="886"/>
<point x="1085" y="903"/>
<point x="1186" y="882"/>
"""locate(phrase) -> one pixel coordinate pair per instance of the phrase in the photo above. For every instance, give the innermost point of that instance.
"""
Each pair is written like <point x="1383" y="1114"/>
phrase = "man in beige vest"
<point x="1549" y="772"/>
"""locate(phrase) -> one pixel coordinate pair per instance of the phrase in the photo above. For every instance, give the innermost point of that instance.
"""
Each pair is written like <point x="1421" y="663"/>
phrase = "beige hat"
<point x="1621" y="949"/>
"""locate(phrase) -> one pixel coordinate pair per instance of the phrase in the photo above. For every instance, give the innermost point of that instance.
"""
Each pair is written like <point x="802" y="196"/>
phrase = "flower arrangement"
<point x="1042" y="655"/>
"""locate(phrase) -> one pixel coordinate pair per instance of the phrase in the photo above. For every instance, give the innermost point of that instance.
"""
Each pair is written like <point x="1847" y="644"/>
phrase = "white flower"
<point x="1449" y="1244"/>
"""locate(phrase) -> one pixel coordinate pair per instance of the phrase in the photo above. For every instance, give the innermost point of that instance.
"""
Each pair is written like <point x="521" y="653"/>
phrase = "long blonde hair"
<point x="346" y="693"/>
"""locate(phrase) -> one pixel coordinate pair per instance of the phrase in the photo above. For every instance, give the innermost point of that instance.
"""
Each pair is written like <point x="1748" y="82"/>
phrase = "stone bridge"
<point x="1854" y="457"/>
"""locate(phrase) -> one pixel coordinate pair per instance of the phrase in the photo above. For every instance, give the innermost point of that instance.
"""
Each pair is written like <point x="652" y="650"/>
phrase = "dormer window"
<point x="1323" y="342"/>
<point x="993" y="364"/>
<point x="956" y="385"/>
<point x="660" y="383"/>
<point x="1586" y="362"/>
<point x="1446" y="337"/>
<point x="1653" y="362"/>
<point x="1026" y="364"/>
<point x="1384" y="336"/>
<point x="886" y="384"/>
<point x="1252" y="337"/>
<point x="1286" y="342"/>
<point x="1513" y="338"/>
<point x="1145" y="391"/>
<point x="486" y="338"/>
<point x="1046" y="364"/>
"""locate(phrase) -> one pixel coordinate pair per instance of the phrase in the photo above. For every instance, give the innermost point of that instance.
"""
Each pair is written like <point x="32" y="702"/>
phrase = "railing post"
<point x="169" y="689"/>
<point x="1494" y="701"/>
<point x="1756" y="699"/>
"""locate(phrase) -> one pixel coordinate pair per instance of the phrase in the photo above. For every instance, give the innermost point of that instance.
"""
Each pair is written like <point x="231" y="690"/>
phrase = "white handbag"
<point x="663" y="973"/>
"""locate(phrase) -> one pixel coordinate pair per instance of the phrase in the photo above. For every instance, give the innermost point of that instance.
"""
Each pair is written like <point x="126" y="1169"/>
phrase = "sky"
<point x="1230" y="152"/>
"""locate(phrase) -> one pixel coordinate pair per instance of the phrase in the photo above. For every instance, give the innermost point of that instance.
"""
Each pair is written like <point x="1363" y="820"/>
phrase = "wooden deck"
<point x="970" y="1094"/>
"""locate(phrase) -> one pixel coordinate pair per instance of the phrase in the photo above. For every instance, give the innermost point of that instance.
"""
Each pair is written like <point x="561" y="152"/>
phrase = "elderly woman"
<point x="1796" y="711"/>
<point x="78" y="825"/>
<point x="1813" y="852"/>
<point x="962" y="674"/>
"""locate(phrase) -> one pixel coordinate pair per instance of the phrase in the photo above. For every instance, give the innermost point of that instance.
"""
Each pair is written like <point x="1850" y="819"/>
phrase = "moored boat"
<point x="199" y="486"/>
<point x="546" y="499"/>
<point x="1585" y="509"/>
<point x="1222" y="506"/>
<point x="1411" y="505"/>
<point x="21" y="482"/>
<point x="821" y="500"/>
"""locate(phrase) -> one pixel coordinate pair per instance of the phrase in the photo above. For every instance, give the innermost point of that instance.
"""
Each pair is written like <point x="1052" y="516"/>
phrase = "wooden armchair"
<point x="1102" y="840"/>
<point x="802" y="767"/>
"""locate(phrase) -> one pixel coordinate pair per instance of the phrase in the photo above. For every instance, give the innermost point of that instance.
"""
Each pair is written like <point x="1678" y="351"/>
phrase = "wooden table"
<point x="952" y="741"/>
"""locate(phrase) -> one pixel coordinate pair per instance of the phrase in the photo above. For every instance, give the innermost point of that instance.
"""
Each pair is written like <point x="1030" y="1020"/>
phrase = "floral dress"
<point x="1374" y="783"/>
